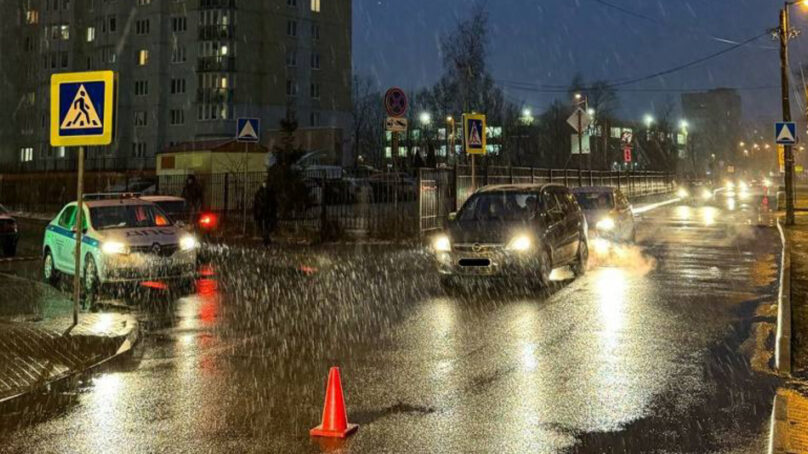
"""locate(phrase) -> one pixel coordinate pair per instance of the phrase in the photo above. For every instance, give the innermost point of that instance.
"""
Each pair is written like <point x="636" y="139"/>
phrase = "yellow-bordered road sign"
<point x="474" y="132"/>
<point x="82" y="108"/>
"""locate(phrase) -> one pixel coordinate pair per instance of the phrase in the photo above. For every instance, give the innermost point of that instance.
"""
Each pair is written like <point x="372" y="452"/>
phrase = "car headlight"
<point x="730" y="185"/>
<point x="605" y="224"/>
<point x="767" y="182"/>
<point x="442" y="244"/>
<point x="682" y="193"/>
<point x="520" y="243"/>
<point x="706" y="194"/>
<point x="114" y="248"/>
<point x="188" y="242"/>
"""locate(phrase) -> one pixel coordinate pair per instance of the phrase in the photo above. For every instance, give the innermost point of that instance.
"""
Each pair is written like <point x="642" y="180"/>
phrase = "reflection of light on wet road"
<point x="610" y="285"/>
<point x="683" y="212"/>
<point x="709" y="214"/>
<point x="107" y="417"/>
<point x="731" y="203"/>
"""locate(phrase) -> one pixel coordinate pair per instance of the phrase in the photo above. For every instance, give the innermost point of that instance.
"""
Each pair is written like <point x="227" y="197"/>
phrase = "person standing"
<point x="192" y="193"/>
<point x="265" y="211"/>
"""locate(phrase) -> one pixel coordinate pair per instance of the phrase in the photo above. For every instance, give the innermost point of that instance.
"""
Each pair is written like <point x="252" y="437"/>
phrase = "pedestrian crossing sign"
<point x="785" y="132"/>
<point x="82" y="108"/>
<point x="247" y="130"/>
<point x="474" y="133"/>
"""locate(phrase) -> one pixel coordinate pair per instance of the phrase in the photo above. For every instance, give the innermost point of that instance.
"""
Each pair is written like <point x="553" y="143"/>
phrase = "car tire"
<point x="10" y="248"/>
<point x="582" y="260"/>
<point x="90" y="284"/>
<point x="49" y="272"/>
<point x="545" y="269"/>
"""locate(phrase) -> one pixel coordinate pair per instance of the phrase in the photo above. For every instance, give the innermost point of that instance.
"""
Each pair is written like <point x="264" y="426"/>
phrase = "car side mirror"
<point x="453" y="216"/>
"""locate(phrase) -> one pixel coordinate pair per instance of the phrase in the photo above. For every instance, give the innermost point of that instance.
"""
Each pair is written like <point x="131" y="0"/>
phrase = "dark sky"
<point x="545" y="42"/>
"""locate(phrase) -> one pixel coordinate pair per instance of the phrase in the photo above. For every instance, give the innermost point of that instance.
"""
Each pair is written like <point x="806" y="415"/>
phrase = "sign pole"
<point x="394" y="151"/>
<point x="580" y="146"/>
<point x="473" y="175"/>
<point x="244" y="202"/>
<point x="78" y="236"/>
<point x="788" y="151"/>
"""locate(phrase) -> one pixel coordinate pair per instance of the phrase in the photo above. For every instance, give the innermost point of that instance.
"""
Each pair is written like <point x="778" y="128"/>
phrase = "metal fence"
<point x="391" y="205"/>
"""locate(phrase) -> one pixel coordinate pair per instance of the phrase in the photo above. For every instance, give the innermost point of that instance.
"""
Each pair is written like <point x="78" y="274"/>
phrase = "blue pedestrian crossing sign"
<point x="474" y="133"/>
<point x="82" y="108"/>
<point x="785" y="132"/>
<point x="248" y="129"/>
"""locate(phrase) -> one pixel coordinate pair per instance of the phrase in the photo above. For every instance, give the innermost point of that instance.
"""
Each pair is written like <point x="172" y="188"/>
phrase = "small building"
<point x="211" y="157"/>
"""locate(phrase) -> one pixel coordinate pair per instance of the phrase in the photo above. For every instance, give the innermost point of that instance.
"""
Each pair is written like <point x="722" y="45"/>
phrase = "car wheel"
<point x="449" y="285"/>
<point x="91" y="283"/>
<point x="545" y="269"/>
<point x="10" y="248"/>
<point x="49" y="272"/>
<point x="579" y="267"/>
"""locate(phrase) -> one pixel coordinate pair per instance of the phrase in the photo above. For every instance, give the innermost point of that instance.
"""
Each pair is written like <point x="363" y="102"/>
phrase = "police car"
<point x="125" y="240"/>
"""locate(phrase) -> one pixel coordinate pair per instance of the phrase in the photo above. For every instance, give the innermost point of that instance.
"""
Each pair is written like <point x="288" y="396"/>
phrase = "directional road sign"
<point x="82" y="108"/>
<point x="474" y="133"/>
<point x="248" y="130"/>
<point x="394" y="124"/>
<point x="585" y="120"/>
<point x="785" y="132"/>
<point x="396" y="102"/>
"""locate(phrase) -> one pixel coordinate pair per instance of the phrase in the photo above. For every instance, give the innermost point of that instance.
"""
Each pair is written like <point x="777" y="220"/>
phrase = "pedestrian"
<point x="265" y="211"/>
<point x="192" y="193"/>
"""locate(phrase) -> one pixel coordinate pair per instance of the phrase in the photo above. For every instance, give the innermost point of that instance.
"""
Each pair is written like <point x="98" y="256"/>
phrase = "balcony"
<point x="216" y="64"/>
<point x="214" y="95"/>
<point x="217" y="4"/>
<point x="216" y="32"/>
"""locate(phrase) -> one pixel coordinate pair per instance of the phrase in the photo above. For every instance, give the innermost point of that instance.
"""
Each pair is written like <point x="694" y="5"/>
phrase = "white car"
<point x="125" y="240"/>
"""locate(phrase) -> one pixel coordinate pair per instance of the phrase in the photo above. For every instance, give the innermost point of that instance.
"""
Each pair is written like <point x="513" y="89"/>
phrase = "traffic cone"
<point x="335" y="420"/>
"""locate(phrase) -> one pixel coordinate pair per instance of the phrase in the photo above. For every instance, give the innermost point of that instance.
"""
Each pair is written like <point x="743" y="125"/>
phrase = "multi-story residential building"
<point x="715" y="119"/>
<point x="187" y="69"/>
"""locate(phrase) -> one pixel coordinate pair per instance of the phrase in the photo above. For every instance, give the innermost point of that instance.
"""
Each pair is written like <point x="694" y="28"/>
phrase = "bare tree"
<point x="368" y="118"/>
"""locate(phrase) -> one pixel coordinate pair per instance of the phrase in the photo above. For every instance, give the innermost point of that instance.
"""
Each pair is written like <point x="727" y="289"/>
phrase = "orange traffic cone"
<point x="335" y="421"/>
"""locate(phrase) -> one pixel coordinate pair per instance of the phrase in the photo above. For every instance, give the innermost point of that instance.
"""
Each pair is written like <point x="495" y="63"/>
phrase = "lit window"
<point x="143" y="57"/>
<point x="315" y="6"/>
<point x="90" y="34"/>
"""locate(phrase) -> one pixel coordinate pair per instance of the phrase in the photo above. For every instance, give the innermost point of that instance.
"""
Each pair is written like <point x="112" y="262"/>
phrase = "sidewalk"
<point x="39" y="345"/>
<point x="797" y="237"/>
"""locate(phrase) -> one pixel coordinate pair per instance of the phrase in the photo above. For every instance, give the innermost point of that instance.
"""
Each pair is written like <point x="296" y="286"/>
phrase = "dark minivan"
<point x="514" y="230"/>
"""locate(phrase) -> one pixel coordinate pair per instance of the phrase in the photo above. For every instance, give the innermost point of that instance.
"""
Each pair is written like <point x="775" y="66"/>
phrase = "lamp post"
<point x="450" y="139"/>
<point x="580" y="101"/>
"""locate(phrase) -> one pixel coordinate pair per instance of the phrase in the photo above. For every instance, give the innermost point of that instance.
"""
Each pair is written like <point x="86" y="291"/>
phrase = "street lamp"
<point x="527" y="116"/>
<point x="683" y="125"/>
<point x="425" y="118"/>
<point x="591" y="112"/>
<point x="742" y="144"/>
<point x="450" y="122"/>
<point x="649" y="120"/>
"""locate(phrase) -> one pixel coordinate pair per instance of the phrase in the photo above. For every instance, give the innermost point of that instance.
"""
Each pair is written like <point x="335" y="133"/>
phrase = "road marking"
<point x="18" y="259"/>
<point x="654" y="206"/>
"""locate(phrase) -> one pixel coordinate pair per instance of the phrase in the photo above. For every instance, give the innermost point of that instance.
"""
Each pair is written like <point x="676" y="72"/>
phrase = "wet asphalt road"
<point x="640" y="355"/>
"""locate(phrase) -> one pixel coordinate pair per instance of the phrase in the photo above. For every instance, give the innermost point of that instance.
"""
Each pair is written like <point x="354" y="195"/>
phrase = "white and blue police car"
<point x="125" y="240"/>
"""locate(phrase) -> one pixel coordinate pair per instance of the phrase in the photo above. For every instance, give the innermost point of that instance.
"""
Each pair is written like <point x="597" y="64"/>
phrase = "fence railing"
<point x="392" y="205"/>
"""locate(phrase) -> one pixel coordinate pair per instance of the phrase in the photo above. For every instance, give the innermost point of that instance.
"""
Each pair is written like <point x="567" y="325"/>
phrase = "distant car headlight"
<point x="188" y="242"/>
<point x="706" y="194"/>
<point x="743" y="186"/>
<point x="520" y="243"/>
<point x="682" y="193"/>
<point x="605" y="224"/>
<point x="114" y="248"/>
<point x="442" y="244"/>
<point x="730" y="185"/>
<point x="767" y="182"/>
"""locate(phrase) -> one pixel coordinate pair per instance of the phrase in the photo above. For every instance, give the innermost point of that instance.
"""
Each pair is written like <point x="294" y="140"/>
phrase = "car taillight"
<point x="208" y="221"/>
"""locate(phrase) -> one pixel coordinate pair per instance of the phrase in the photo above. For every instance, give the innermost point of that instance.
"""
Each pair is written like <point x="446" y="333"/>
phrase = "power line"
<point x="621" y="83"/>
<point x="526" y="87"/>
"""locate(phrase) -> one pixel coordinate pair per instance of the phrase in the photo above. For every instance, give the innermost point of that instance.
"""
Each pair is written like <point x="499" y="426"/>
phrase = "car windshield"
<point x="176" y="210"/>
<point x="499" y="206"/>
<point x="127" y="217"/>
<point x="595" y="200"/>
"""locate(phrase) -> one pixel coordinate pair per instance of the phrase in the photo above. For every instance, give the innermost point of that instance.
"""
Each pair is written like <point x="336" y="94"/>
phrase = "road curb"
<point x="789" y="425"/>
<point x="782" y="353"/>
<point x="128" y="342"/>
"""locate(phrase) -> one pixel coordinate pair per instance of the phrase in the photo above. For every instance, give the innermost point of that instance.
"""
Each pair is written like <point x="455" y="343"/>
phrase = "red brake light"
<point x="208" y="221"/>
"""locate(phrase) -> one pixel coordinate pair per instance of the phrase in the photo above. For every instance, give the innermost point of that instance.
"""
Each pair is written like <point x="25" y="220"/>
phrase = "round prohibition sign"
<point x="396" y="103"/>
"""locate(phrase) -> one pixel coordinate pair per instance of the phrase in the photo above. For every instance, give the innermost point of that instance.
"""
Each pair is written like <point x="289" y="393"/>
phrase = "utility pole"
<point x="785" y="34"/>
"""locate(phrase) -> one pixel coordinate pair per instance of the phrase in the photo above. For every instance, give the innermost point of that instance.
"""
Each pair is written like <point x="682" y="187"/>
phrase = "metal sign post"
<point x="82" y="113"/>
<point x="247" y="132"/>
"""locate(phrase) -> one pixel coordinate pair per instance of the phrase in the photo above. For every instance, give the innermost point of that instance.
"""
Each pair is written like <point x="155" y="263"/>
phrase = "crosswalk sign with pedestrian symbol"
<point x="82" y="108"/>
<point x="474" y="132"/>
